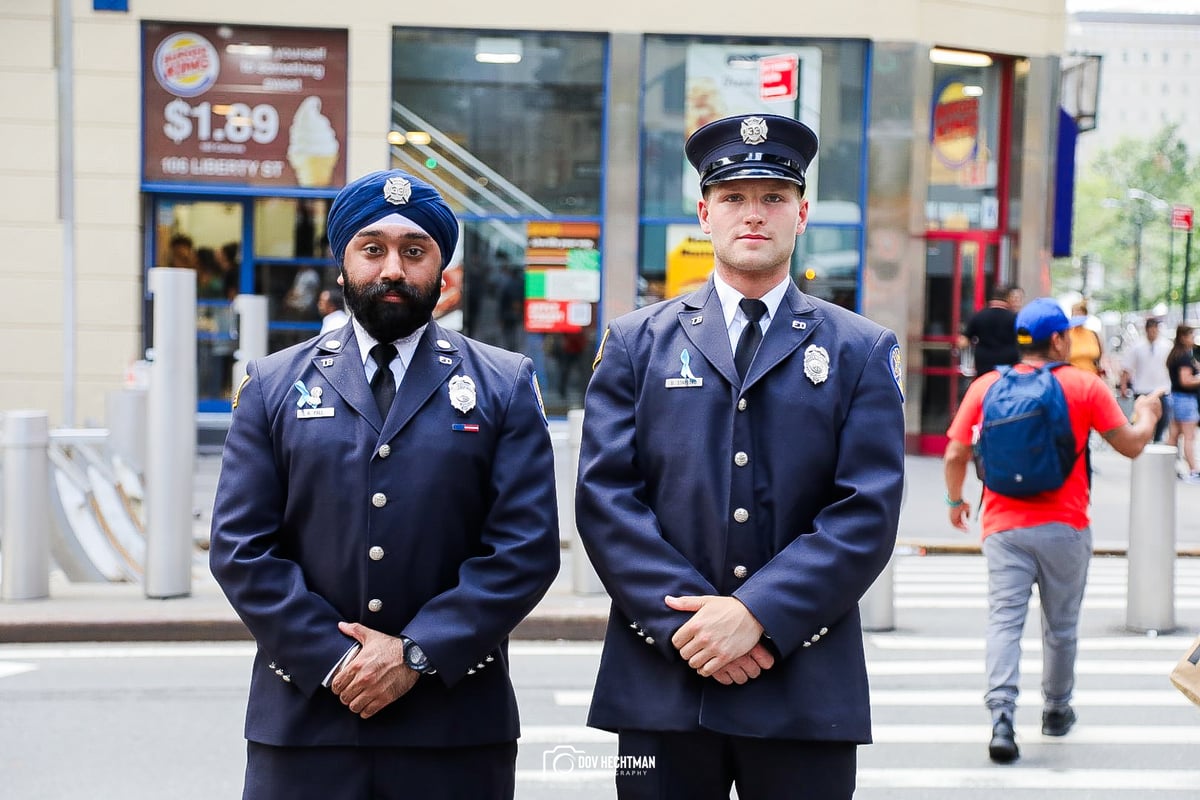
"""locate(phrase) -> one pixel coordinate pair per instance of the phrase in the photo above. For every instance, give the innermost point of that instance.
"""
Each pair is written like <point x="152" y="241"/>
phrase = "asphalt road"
<point x="145" y="721"/>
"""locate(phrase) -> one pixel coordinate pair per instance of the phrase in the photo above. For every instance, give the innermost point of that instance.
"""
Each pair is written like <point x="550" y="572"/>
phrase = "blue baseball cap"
<point x="1039" y="319"/>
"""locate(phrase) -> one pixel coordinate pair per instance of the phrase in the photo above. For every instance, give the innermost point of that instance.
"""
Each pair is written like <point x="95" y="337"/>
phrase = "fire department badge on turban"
<point x="462" y="393"/>
<point x="397" y="191"/>
<point x="816" y="364"/>
<point x="754" y="130"/>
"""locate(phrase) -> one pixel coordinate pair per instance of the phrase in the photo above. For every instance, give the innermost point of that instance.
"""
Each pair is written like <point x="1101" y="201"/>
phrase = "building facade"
<point x="162" y="134"/>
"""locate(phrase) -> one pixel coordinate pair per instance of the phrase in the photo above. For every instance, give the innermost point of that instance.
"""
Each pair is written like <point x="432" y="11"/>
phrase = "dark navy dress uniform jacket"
<point x="813" y="464"/>
<point x="405" y="525"/>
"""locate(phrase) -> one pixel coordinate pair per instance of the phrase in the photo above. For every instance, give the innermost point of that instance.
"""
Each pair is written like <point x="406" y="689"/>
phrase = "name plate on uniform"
<point x="313" y="413"/>
<point x="684" y="383"/>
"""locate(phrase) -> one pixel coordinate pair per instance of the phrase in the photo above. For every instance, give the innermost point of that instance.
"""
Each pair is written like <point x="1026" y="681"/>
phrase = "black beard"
<point x="388" y="321"/>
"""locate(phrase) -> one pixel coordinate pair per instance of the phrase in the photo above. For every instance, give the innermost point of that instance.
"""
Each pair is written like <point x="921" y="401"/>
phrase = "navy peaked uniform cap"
<point x="752" y="146"/>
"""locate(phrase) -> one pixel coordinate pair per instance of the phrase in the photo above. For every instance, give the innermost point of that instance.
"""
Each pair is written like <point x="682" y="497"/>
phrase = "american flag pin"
<point x="465" y="427"/>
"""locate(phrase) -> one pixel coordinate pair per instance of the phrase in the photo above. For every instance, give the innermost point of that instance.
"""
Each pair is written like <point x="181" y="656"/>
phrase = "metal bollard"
<point x="26" y="543"/>
<point x="125" y="414"/>
<point x="877" y="607"/>
<point x="584" y="579"/>
<point x="172" y="434"/>
<point x="251" y="310"/>
<point x="1150" y="603"/>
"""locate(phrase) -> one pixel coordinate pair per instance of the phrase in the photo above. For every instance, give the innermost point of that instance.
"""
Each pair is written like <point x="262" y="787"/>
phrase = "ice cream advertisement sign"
<point x="243" y="105"/>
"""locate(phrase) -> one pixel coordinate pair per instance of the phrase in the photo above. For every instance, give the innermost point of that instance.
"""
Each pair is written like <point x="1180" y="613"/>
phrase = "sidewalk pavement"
<point x="122" y="612"/>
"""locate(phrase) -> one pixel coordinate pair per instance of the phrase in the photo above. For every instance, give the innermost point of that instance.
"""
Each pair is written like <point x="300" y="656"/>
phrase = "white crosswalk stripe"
<point x="931" y="729"/>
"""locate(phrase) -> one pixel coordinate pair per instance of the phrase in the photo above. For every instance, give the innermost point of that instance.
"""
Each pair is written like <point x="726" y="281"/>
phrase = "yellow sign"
<point x="688" y="264"/>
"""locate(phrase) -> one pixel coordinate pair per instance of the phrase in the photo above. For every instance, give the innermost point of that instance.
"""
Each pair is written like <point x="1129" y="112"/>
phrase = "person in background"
<point x="1016" y="298"/>
<point x="384" y="518"/>
<point x="1185" y="412"/>
<point x="1144" y="371"/>
<point x="991" y="334"/>
<point x="1087" y="351"/>
<point x="181" y="252"/>
<point x="739" y="489"/>
<point x="330" y="304"/>
<point x="1043" y="539"/>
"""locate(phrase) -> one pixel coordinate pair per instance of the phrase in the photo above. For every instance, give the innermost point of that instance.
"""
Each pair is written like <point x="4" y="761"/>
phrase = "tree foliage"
<point x="1108" y="217"/>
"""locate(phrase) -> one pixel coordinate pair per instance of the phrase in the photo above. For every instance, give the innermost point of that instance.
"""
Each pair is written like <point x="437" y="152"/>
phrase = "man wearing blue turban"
<point x="385" y="516"/>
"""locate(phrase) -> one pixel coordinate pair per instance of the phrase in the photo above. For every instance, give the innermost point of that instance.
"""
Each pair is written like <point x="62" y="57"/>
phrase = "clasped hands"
<point x="721" y="640"/>
<point x="377" y="676"/>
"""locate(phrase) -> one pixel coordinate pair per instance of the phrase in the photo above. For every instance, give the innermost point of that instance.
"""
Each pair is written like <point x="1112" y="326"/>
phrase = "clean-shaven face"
<point x="753" y="224"/>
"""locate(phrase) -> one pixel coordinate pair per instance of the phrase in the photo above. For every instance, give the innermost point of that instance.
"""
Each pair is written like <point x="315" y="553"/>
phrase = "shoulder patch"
<point x="537" y="392"/>
<point x="897" y="369"/>
<point x="600" y="350"/>
<point x="238" y="394"/>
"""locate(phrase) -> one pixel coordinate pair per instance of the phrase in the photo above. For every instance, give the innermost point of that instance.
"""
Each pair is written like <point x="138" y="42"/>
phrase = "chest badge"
<point x="462" y="393"/>
<point x="816" y="364"/>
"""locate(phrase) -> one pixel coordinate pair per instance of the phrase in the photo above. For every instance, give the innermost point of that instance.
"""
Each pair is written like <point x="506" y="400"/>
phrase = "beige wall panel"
<point x="113" y="201"/>
<point x="29" y="198"/>
<point x="29" y="248"/>
<point x="108" y="43"/>
<point x="103" y="303"/>
<point x="26" y="43"/>
<point x="107" y="150"/>
<point x="40" y="303"/>
<point x="109" y="251"/>
<point x="27" y="96"/>
<point x="107" y="99"/>
<point x="997" y="28"/>
<point x="28" y="144"/>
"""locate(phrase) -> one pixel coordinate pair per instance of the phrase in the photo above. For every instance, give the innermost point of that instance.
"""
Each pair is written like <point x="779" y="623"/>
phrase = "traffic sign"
<point x="1181" y="217"/>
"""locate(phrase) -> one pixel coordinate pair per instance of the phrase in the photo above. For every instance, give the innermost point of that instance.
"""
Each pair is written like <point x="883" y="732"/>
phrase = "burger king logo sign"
<point x="186" y="64"/>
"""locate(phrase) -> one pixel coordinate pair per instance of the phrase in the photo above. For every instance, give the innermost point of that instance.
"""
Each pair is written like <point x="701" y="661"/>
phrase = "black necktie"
<point x="751" y="335"/>
<point x="383" y="383"/>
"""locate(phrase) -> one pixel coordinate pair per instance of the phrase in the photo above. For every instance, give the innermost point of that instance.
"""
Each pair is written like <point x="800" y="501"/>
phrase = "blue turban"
<point x="380" y="194"/>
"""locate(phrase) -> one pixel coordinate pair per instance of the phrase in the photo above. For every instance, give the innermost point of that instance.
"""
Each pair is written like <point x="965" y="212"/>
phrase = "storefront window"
<point x="508" y="125"/>
<point x="689" y="82"/>
<point x="964" y="166"/>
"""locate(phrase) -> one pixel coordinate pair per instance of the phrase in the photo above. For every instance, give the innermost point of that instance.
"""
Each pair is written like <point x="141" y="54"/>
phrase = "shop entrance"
<point x="960" y="268"/>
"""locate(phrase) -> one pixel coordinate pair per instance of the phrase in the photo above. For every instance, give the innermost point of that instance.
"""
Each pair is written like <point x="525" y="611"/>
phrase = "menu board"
<point x="236" y="104"/>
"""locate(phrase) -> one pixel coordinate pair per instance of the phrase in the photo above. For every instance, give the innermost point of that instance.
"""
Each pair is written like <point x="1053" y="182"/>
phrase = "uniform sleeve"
<point x="520" y="547"/>
<point x="619" y="530"/>
<point x="820" y="576"/>
<point x="294" y="626"/>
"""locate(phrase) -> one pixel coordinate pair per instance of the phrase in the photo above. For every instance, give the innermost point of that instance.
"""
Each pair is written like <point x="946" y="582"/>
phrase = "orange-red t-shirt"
<point x="1090" y="404"/>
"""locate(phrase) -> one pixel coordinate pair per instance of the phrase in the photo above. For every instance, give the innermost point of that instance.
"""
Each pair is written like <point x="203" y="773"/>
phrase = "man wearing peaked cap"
<point x="739" y="490"/>
<point x="1042" y="538"/>
<point x="384" y="518"/>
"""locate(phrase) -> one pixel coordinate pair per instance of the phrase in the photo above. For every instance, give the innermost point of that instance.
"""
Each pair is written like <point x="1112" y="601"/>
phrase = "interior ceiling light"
<point x="498" y="50"/>
<point x="959" y="58"/>
<point x="973" y="91"/>
<point x="418" y="137"/>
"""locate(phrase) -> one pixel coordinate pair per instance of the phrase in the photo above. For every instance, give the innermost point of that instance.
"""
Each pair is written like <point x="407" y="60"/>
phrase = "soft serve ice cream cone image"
<point x="312" y="145"/>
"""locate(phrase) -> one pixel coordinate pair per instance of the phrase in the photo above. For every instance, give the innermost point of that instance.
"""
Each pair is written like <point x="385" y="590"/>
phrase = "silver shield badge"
<point x="816" y="364"/>
<point x="462" y="393"/>
<point x="754" y="130"/>
<point x="397" y="190"/>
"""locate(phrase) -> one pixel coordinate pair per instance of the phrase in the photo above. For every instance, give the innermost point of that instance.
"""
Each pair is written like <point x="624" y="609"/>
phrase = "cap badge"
<point x="816" y="364"/>
<point x="754" y="130"/>
<point x="397" y="190"/>
<point x="462" y="393"/>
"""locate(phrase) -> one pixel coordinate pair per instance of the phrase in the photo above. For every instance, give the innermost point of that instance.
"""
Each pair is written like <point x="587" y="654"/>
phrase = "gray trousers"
<point x="1054" y="556"/>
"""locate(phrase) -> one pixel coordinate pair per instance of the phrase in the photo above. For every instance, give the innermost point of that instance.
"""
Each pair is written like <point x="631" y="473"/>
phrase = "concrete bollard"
<point x="1150" y="603"/>
<point x="26" y="543"/>
<point x="584" y="579"/>
<point x="877" y="607"/>
<point x="171" y="435"/>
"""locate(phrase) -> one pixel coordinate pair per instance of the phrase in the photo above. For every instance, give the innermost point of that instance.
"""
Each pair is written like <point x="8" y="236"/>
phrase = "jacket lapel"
<point x="794" y="321"/>
<point x="339" y="361"/>
<point x="432" y="362"/>
<point x="703" y="323"/>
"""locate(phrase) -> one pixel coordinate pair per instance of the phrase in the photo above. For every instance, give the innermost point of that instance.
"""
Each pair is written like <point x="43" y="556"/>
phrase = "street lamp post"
<point x="1139" y="220"/>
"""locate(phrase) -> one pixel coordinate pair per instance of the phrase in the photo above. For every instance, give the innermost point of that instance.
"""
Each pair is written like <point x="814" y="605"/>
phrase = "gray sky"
<point x="1141" y="6"/>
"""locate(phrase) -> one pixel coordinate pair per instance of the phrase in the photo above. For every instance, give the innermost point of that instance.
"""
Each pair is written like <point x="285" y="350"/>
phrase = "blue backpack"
<point x="1026" y="445"/>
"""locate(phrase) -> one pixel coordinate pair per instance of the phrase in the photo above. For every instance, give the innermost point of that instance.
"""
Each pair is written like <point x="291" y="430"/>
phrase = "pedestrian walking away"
<point x="990" y="333"/>
<point x="1184" y="372"/>
<point x="385" y="516"/>
<point x="1041" y="538"/>
<point x="739" y="490"/>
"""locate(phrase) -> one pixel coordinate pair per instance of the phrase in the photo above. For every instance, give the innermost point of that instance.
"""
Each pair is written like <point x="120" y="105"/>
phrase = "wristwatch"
<point x="415" y="658"/>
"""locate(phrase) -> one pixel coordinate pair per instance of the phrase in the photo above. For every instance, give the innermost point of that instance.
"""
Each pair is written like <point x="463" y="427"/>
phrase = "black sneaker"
<point x="1058" y="722"/>
<point x="1003" y="746"/>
